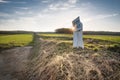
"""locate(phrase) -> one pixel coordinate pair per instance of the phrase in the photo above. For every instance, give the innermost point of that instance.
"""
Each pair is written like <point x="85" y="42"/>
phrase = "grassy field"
<point x="13" y="40"/>
<point x="94" y="42"/>
<point x="104" y="37"/>
<point x="68" y="36"/>
<point x="90" y="41"/>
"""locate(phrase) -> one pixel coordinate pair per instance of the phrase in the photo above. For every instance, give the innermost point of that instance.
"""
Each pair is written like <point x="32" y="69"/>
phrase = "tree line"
<point x="69" y="31"/>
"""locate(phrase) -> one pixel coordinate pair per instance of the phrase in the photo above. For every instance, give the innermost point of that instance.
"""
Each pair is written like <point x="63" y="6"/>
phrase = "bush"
<point x="64" y="30"/>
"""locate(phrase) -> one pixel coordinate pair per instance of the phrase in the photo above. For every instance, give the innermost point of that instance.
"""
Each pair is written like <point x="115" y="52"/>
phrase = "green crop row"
<point x="7" y="41"/>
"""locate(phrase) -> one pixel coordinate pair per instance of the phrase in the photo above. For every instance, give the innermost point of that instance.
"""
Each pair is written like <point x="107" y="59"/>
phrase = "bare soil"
<point x="13" y="63"/>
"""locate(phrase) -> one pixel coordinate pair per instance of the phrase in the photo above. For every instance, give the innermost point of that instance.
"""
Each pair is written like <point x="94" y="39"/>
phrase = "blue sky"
<point x="48" y="15"/>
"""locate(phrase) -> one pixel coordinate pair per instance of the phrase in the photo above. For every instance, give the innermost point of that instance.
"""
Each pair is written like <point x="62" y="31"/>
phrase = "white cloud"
<point x="25" y="13"/>
<point x="4" y="14"/>
<point x="63" y="5"/>
<point x="3" y="1"/>
<point x="25" y="8"/>
<point x="19" y="24"/>
<point x="72" y="1"/>
<point x="69" y="5"/>
<point x="102" y="16"/>
<point x="106" y="16"/>
<point x="59" y="6"/>
<point x="45" y="1"/>
<point x="21" y="2"/>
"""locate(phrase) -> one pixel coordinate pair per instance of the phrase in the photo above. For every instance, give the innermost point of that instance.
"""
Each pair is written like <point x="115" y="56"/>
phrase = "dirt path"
<point x="13" y="63"/>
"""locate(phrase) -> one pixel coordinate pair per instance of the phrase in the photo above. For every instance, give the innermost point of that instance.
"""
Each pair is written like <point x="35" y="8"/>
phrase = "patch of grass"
<point x="8" y="41"/>
<point x="95" y="49"/>
<point x="104" y="37"/>
<point x="92" y="47"/>
<point x="89" y="45"/>
<point x="56" y="35"/>
<point x="63" y="47"/>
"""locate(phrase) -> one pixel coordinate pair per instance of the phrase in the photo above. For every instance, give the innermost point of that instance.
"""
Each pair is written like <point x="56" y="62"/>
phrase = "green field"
<point x="104" y="37"/>
<point x="13" y="40"/>
<point x="69" y="36"/>
<point x="93" y="42"/>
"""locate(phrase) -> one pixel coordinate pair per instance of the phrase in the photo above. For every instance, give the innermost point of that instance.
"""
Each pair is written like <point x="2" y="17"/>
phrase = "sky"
<point x="48" y="15"/>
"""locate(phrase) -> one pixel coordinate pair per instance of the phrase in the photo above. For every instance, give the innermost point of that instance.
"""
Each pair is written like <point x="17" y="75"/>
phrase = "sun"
<point x="73" y="28"/>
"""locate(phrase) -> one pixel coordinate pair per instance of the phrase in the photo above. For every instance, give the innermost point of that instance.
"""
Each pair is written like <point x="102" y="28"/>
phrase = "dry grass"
<point x="59" y="61"/>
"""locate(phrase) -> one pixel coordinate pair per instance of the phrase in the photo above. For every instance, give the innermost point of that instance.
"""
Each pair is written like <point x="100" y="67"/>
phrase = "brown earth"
<point x="13" y="63"/>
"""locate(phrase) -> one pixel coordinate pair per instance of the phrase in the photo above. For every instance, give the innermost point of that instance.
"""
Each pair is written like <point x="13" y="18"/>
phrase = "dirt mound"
<point x="59" y="61"/>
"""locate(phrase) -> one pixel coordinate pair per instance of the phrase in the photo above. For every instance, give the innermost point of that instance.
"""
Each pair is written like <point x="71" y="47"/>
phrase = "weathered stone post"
<point x="78" y="33"/>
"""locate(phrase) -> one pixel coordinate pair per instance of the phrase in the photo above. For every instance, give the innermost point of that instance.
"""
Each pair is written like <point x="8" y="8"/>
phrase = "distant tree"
<point x="64" y="30"/>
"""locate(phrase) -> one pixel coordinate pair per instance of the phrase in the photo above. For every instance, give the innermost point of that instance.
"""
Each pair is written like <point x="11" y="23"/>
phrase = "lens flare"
<point x="73" y="28"/>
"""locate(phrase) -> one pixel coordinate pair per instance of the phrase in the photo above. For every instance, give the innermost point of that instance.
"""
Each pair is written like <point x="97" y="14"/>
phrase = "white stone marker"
<point x="78" y="33"/>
